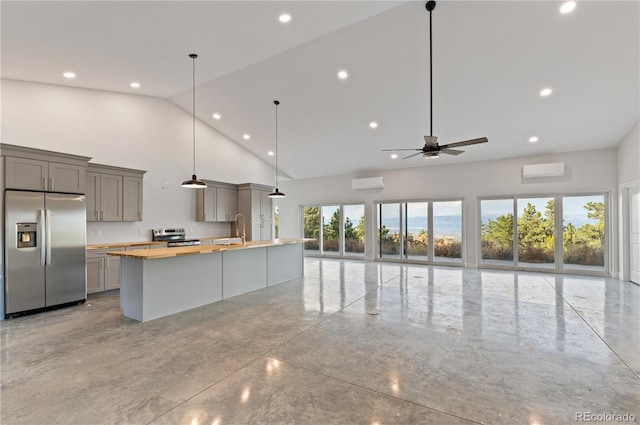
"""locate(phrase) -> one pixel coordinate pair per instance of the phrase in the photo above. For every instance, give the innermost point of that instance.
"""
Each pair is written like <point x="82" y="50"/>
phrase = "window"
<point x="536" y="230"/>
<point x="447" y="231"/>
<point x="354" y="230"/>
<point x="405" y="229"/>
<point x="342" y="232"/>
<point x="331" y="229"/>
<point x="583" y="232"/>
<point x="312" y="229"/>
<point x="496" y="231"/>
<point x="561" y="233"/>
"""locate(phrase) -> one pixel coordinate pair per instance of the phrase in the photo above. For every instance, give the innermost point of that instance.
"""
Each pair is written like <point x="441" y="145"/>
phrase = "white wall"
<point x="628" y="176"/>
<point x="131" y="131"/>
<point x="629" y="156"/>
<point x="588" y="171"/>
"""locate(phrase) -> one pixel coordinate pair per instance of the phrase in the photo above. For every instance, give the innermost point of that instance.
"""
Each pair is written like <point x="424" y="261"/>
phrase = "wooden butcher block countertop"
<point x="156" y="253"/>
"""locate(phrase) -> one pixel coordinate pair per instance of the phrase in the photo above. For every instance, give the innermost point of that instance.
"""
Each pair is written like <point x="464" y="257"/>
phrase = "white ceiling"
<point x="490" y="61"/>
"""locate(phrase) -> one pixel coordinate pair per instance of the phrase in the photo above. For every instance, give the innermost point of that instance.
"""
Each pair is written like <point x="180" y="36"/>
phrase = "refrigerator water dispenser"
<point x="27" y="235"/>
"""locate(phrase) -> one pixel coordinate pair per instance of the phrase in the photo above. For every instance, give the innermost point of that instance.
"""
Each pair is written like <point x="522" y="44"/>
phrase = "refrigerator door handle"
<point x="43" y="239"/>
<point x="48" y="241"/>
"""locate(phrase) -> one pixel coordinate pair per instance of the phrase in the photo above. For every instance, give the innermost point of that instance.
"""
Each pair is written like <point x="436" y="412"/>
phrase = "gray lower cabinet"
<point x="113" y="193"/>
<point x="103" y="271"/>
<point x="35" y="169"/>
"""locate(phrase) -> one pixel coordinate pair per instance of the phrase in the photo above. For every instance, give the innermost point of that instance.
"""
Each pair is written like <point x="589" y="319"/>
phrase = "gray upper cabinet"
<point x="131" y="198"/>
<point x="36" y="169"/>
<point x="217" y="202"/>
<point x="113" y="193"/>
<point x="257" y="208"/>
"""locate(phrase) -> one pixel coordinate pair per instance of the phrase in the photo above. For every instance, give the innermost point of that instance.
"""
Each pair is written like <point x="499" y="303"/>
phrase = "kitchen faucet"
<point x="244" y="234"/>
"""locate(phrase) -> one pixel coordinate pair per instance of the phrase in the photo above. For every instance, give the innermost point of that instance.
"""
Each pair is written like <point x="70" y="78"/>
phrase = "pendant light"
<point x="276" y="193"/>
<point x="194" y="183"/>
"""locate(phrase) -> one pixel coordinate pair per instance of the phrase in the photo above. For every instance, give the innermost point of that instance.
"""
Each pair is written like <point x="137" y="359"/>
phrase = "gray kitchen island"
<point x="159" y="282"/>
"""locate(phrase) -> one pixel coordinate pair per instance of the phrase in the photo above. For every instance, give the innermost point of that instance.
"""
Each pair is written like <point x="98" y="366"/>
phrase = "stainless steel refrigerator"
<point x="45" y="250"/>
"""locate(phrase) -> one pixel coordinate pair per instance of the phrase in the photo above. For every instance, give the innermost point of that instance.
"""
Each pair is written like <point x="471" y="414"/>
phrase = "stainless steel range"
<point x="173" y="237"/>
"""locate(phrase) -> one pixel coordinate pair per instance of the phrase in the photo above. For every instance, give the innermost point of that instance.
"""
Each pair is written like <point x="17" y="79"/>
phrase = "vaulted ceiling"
<point x="490" y="61"/>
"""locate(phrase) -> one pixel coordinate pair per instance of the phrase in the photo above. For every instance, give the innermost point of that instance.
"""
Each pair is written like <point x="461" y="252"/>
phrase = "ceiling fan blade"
<point x="396" y="150"/>
<point x="412" y="155"/>
<point x="465" y="143"/>
<point x="451" y="151"/>
<point x="430" y="142"/>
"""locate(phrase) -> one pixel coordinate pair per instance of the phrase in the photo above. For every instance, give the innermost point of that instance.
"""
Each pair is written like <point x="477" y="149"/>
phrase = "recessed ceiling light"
<point x="545" y="92"/>
<point x="533" y="139"/>
<point x="394" y="156"/>
<point x="343" y="75"/>
<point x="135" y="85"/>
<point x="270" y="153"/>
<point x="69" y="74"/>
<point x="216" y="116"/>
<point x="284" y="18"/>
<point x="373" y="124"/>
<point x="568" y="7"/>
<point x="246" y="137"/>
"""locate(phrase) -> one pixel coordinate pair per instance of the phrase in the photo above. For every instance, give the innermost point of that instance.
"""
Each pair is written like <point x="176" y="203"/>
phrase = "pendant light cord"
<point x="194" y="56"/>
<point x="276" y="103"/>
<point x="430" y="79"/>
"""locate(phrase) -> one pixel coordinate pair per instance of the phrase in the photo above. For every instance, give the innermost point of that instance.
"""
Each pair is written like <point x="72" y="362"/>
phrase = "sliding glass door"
<point x="417" y="231"/>
<point x="405" y="229"/>
<point x="560" y="233"/>
<point x="336" y="230"/>
<point x="389" y="225"/>
<point x="583" y="238"/>
<point x="354" y="230"/>
<point x="536" y="230"/>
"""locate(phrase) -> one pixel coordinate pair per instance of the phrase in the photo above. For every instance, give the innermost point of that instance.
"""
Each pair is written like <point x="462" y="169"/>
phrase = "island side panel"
<point x="284" y="262"/>
<point x="176" y="284"/>
<point x="131" y="287"/>
<point x="244" y="270"/>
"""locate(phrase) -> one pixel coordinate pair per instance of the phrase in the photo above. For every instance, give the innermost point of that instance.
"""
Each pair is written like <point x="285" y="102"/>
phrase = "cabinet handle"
<point x="96" y="214"/>
<point x="44" y="183"/>
<point x="101" y="215"/>
<point x="101" y="263"/>
<point x="107" y="263"/>
<point x="50" y="183"/>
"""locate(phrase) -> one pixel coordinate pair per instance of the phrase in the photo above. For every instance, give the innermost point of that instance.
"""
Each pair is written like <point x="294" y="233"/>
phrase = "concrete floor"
<point x="350" y="343"/>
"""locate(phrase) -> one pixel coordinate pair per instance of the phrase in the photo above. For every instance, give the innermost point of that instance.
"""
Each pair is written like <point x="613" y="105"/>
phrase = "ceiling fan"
<point x="431" y="148"/>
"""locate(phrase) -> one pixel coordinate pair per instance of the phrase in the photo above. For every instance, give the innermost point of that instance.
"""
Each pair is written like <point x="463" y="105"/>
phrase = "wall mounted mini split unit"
<point x="370" y="183"/>
<point x="554" y="169"/>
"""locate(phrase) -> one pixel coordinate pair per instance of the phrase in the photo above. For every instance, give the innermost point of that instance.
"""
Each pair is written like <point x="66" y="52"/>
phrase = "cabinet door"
<point x="92" y="195"/>
<point x="66" y="178"/>
<point x="266" y="207"/>
<point x="221" y="205"/>
<point x="26" y="174"/>
<point x="132" y="199"/>
<point x="266" y="230"/>
<point x="210" y="204"/>
<point x="95" y="275"/>
<point x="112" y="273"/>
<point x="256" y="209"/>
<point x="232" y="204"/>
<point x="110" y="197"/>
<point x="256" y="231"/>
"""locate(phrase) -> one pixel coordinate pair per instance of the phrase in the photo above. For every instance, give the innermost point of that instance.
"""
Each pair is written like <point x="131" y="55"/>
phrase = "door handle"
<point x="48" y="231"/>
<point x="43" y="239"/>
